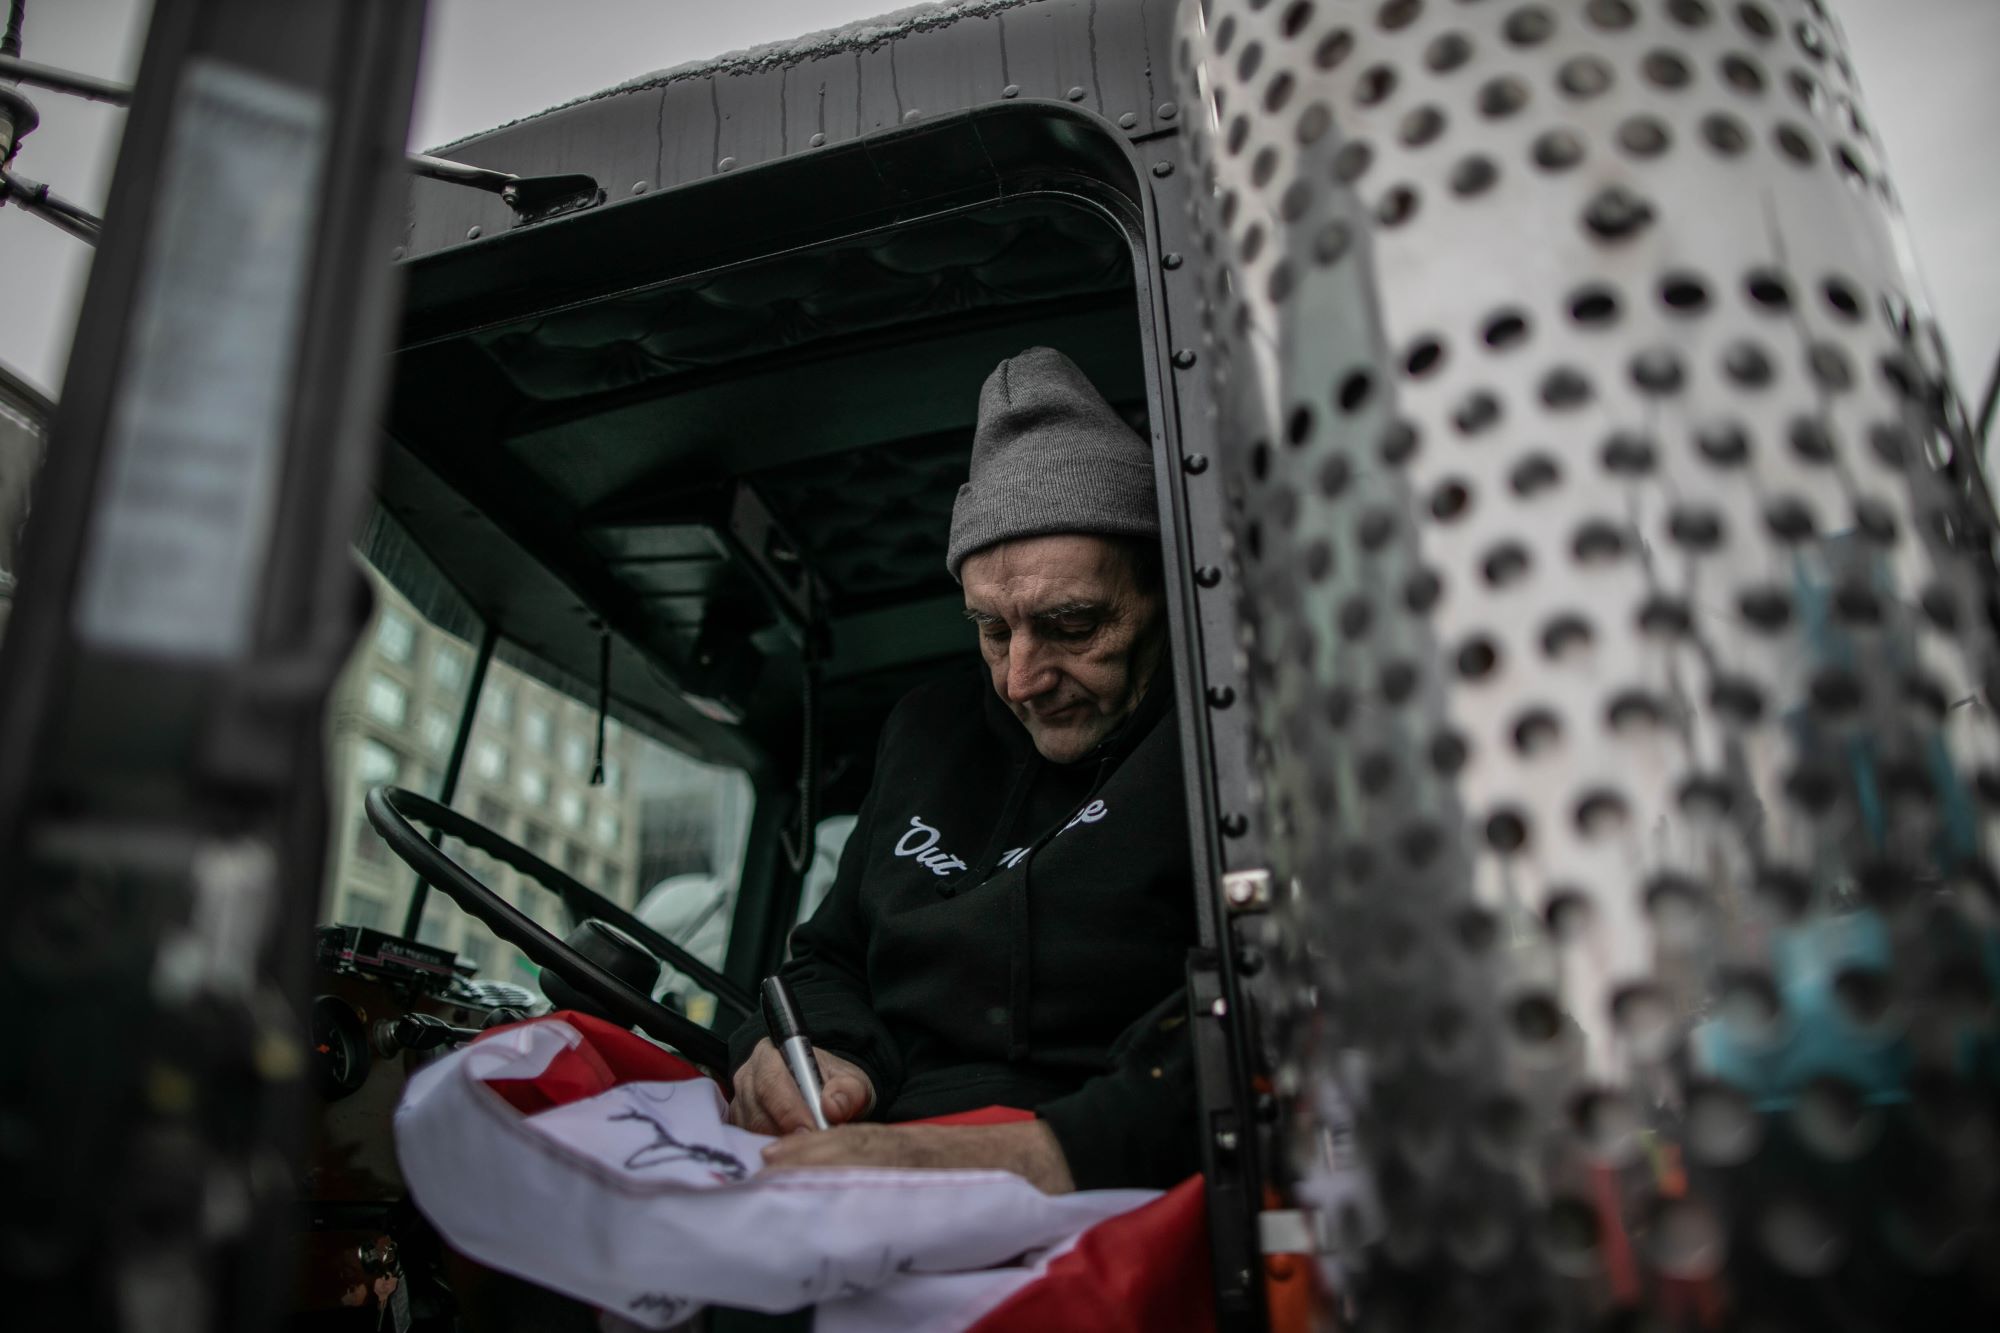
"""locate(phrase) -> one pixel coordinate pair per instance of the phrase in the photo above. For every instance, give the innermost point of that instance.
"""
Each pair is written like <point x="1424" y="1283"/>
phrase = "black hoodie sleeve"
<point x="828" y="974"/>
<point x="1135" y="1125"/>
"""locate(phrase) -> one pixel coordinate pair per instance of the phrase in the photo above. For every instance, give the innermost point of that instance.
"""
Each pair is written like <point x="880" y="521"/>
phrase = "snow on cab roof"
<point x="858" y="35"/>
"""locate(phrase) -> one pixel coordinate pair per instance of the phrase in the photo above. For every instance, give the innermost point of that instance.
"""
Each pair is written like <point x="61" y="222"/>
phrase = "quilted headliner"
<point x="1025" y="251"/>
<point x="839" y="382"/>
<point x="874" y="521"/>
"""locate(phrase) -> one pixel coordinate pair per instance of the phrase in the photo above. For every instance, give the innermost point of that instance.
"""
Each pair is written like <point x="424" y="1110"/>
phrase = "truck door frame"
<point x="896" y="178"/>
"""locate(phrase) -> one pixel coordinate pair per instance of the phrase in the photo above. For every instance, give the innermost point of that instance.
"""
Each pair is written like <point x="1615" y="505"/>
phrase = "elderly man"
<point x="1013" y="911"/>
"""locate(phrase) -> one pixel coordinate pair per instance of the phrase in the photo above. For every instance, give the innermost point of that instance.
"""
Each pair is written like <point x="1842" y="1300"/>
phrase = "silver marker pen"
<point x="789" y="1035"/>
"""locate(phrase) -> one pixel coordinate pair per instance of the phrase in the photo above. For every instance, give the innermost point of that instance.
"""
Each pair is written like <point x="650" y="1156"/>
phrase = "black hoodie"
<point x="1008" y="931"/>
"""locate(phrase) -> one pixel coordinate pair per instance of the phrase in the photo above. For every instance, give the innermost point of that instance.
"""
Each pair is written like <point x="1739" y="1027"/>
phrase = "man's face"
<point x="1070" y="636"/>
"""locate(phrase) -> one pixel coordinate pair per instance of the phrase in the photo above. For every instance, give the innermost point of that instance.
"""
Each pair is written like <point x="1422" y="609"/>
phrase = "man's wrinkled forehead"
<point x="1043" y="574"/>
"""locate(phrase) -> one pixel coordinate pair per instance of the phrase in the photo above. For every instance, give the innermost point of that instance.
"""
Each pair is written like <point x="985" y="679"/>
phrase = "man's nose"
<point x="1029" y="672"/>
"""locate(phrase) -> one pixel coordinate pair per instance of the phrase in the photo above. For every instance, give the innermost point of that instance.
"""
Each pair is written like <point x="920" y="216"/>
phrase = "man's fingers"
<point x="744" y="1113"/>
<point x="778" y="1098"/>
<point x="767" y="1101"/>
<point x="845" y="1092"/>
<point x="844" y="1097"/>
<point x="847" y="1146"/>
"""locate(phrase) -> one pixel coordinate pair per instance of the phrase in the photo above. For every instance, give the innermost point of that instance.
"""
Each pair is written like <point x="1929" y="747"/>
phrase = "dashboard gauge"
<point x="340" y="1055"/>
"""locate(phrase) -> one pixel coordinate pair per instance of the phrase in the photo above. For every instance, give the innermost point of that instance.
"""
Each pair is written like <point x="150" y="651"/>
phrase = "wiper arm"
<point x="36" y="198"/>
<point x="64" y="81"/>
<point x="533" y="198"/>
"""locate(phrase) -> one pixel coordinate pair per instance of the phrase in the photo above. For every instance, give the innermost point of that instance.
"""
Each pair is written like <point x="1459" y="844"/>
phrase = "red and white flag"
<point x="664" y="1207"/>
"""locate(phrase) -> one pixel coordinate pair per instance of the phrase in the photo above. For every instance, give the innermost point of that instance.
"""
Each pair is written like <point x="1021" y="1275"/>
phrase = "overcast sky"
<point x="1926" y="66"/>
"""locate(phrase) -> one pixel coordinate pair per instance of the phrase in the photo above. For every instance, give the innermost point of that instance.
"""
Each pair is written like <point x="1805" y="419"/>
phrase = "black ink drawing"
<point x="666" y="1148"/>
<point x="669" y="1308"/>
<point x="829" y="1282"/>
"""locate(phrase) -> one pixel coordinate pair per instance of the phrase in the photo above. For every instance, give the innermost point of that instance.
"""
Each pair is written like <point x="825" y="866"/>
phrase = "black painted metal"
<point x="1982" y="423"/>
<point x="34" y="197"/>
<point x="24" y="426"/>
<point x="413" y="919"/>
<point x="767" y="902"/>
<point x="1215" y="748"/>
<point x="452" y="408"/>
<point x="87" y="86"/>
<point x="162" y="817"/>
<point x="1106" y="60"/>
<point x="707" y="169"/>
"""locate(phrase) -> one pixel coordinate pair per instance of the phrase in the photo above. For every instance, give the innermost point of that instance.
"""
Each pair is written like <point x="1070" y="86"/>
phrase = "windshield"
<point x="391" y="720"/>
<point x="656" y="832"/>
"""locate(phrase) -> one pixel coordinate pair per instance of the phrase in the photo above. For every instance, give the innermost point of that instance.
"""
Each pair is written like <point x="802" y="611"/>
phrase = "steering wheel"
<point x="390" y="810"/>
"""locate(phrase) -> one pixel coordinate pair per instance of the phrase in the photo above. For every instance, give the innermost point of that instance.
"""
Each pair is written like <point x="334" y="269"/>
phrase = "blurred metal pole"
<point x="24" y="425"/>
<point x="186" y="598"/>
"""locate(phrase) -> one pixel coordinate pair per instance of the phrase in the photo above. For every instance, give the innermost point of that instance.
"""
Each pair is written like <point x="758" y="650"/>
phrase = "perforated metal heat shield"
<point x="1617" y="604"/>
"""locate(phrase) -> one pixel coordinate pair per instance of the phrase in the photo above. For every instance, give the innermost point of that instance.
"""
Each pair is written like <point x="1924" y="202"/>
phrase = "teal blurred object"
<point x="1816" y="1034"/>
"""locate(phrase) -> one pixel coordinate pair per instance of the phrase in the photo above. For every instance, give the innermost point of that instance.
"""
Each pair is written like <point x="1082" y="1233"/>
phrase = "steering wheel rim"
<point x="391" y="809"/>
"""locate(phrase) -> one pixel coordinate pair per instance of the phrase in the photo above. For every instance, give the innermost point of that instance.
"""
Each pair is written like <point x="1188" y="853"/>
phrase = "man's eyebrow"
<point x="1068" y="610"/>
<point x="1065" y="611"/>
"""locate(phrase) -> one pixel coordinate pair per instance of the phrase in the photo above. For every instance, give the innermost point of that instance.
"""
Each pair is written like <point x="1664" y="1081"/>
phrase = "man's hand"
<point x="768" y="1102"/>
<point x="1028" y="1149"/>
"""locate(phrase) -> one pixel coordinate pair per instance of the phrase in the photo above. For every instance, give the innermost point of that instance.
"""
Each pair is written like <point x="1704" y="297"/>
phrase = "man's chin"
<point x="1065" y="744"/>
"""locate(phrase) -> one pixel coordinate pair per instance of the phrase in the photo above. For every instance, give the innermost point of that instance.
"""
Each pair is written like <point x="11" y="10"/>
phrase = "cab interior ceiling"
<point x="705" y="464"/>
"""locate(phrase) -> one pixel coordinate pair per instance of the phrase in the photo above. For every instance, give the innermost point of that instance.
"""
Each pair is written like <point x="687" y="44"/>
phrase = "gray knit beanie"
<point x="1049" y="456"/>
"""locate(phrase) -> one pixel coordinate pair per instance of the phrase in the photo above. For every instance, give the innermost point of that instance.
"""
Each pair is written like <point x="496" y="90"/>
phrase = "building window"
<point x="607" y="828"/>
<point x="367" y="911"/>
<point x="447" y="667"/>
<point x="569" y="809"/>
<point x="614" y="776"/>
<point x="489" y="760"/>
<point x="576" y="860"/>
<point x="498" y="705"/>
<point x="437" y="729"/>
<point x="535" y="838"/>
<point x="368" y="845"/>
<point x="477" y="950"/>
<point x="436" y="927"/>
<point x="386" y="701"/>
<point x="534" y="786"/>
<point x="537" y="726"/>
<point x="492" y="813"/>
<point x="375" y="763"/>
<point x="395" y="636"/>
<point x="575" y="754"/>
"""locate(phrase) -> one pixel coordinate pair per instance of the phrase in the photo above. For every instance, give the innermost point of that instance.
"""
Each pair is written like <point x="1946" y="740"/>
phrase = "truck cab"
<point x="1579" y="580"/>
<point x="658" y="533"/>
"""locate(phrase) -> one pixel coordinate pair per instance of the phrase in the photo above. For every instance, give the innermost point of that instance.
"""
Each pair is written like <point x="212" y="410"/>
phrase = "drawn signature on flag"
<point x="666" y="1148"/>
<point x="667" y="1307"/>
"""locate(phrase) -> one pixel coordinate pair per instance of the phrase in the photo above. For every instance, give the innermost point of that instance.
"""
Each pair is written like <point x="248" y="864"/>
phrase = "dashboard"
<point x="382" y="1008"/>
